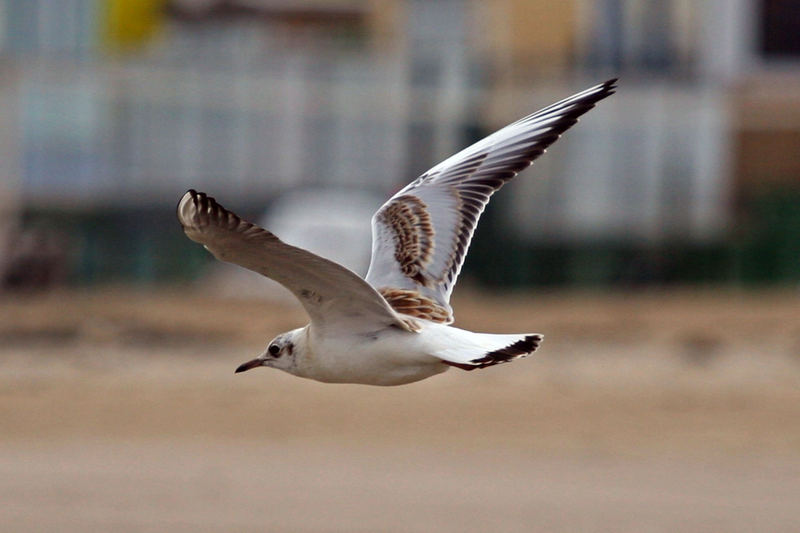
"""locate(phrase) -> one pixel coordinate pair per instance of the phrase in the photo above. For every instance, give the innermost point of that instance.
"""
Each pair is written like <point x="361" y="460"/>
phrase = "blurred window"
<point x="780" y="29"/>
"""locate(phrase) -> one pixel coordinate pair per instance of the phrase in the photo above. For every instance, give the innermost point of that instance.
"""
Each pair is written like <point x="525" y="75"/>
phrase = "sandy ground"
<point x="679" y="411"/>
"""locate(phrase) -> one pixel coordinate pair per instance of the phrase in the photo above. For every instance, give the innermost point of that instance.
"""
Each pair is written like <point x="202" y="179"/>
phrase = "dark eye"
<point x="274" y="349"/>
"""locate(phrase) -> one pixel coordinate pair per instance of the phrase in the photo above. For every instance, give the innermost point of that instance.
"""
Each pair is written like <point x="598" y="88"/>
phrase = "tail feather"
<point x="520" y="348"/>
<point x="491" y="350"/>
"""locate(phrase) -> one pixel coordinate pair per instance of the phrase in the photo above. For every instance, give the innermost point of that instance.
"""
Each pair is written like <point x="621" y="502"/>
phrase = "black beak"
<point x="248" y="365"/>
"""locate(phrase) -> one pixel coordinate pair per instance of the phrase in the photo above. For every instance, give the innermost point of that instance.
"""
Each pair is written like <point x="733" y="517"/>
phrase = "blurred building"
<point x="686" y="174"/>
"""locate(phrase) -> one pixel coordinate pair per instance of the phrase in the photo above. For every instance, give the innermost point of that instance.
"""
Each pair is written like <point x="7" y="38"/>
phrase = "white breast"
<point x="387" y="357"/>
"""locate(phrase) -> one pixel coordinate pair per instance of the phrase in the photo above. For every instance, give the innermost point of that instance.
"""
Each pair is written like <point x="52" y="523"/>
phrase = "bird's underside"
<point x="420" y="239"/>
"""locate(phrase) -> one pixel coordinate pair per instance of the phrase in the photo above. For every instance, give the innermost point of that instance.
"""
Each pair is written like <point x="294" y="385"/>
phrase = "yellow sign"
<point x="130" y="23"/>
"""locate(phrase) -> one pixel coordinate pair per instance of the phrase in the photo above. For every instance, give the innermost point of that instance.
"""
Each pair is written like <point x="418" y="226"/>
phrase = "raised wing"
<point x="332" y="295"/>
<point x="421" y="235"/>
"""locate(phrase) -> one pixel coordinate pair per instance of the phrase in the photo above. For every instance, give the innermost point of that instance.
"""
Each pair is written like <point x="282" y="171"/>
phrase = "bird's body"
<point x="389" y="356"/>
<point x="386" y="357"/>
<point x="393" y="326"/>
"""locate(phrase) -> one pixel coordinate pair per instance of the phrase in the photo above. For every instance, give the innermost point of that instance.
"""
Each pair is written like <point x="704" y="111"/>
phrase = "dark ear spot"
<point x="290" y="348"/>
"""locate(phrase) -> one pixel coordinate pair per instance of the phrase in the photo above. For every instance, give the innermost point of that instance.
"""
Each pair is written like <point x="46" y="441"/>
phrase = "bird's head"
<point x="281" y="352"/>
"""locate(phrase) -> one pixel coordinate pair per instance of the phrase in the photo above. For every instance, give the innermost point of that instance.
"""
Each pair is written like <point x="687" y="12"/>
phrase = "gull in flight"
<point x="393" y="326"/>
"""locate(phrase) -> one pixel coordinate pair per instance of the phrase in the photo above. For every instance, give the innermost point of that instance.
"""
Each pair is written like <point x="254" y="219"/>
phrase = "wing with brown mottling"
<point x="332" y="295"/>
<point x="421" y="235"/>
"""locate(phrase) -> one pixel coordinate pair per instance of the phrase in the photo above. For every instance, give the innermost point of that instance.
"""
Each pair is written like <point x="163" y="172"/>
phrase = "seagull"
<point x="393" y="326"/>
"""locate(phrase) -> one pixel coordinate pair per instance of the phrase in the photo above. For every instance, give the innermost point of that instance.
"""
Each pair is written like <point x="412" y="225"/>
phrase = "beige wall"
<point x="526" y="37"/>
<point x="767" y="133"/>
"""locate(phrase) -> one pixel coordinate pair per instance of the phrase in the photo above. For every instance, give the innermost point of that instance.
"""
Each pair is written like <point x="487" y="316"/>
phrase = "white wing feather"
<point x="332" y="295"/>
<point x="421" y="235"/>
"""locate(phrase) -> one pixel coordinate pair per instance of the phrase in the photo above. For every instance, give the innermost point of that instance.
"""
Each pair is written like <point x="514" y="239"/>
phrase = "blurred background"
<point x="656" y="245"/>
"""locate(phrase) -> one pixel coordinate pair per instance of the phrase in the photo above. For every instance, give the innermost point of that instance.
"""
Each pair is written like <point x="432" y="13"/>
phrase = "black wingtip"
<point x="192" y="194"/>
<point x="200" y="199"/>
<point x="610" y="87"/>
<point x="605" y="89"/>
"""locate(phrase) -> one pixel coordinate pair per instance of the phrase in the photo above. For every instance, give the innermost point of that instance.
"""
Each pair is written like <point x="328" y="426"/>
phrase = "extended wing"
<point x="421" y="235"/>
<point x="332" y="295"/>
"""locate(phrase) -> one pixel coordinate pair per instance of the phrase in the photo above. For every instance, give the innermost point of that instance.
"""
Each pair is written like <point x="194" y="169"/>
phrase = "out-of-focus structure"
<point x="110" y="110"/>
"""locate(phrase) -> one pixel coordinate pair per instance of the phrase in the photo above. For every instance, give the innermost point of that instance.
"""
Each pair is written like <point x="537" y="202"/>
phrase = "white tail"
<point x="479" y="350"/>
